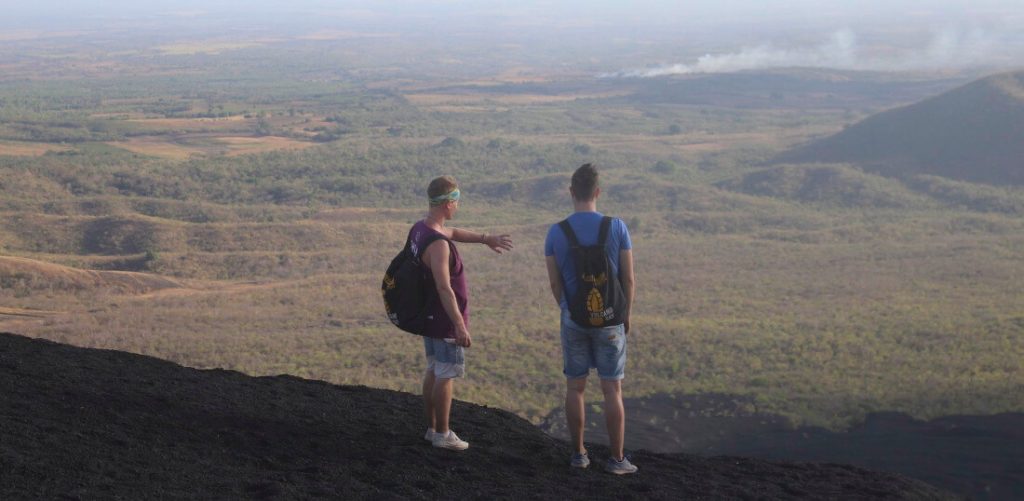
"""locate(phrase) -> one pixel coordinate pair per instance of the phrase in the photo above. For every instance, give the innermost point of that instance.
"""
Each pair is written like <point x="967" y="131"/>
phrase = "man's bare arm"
<point x="436" y="256"/>
<point x="628" y="281"/>
<point x="497" y="243"/>
<point x="555" y="279"/>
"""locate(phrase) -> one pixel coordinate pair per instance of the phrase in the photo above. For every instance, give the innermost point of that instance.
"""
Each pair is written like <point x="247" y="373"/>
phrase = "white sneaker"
<point x="449" y="441"/>
<point x="429" y="436"/>
<point x="623" y="467"/>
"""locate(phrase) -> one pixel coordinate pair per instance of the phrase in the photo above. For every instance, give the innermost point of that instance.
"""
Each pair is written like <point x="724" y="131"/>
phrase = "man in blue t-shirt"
<point x="585" y="347"/>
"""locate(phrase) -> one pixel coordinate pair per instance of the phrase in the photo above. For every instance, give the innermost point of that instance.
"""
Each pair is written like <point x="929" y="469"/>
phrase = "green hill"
<point x="972" y="133"/>
<point x="831" y="185"/>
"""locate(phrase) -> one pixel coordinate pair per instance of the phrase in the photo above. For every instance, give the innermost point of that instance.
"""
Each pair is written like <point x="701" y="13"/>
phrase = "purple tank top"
<point x="438" y="323"/>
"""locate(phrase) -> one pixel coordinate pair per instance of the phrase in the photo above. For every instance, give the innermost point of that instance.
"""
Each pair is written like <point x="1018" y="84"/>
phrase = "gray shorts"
<point x="447" y="360"/>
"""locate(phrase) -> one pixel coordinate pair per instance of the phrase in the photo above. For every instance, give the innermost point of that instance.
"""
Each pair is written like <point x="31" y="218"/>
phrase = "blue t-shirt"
<point x="586" y="226"/>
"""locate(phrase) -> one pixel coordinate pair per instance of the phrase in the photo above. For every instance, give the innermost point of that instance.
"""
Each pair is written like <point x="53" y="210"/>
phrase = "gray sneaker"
<point x="579" y="460"/>
<point x="623" y="467"/>
<point x="449" y="441"/>
<point x="429" y="436"/>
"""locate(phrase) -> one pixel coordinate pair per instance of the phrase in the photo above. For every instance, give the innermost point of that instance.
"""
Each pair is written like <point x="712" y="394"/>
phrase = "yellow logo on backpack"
<point x="595" y="303"/>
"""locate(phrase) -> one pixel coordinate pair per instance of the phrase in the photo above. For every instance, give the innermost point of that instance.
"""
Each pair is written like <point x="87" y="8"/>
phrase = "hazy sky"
<point x="637" y="12"/>
<point x="723" y="35"/>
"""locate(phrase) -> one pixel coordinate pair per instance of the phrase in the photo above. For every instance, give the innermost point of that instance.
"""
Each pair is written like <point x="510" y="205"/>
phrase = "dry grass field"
<point x="210" y="46"/>
<point x="716" y="312"/>
<point x="495" y="101"/>
<point x="247" y="145"/>
<point x="204" y="124"/>
<point x="39" y="275"/>
<point x="182" y="147"/>
<point x="18" y="148"/>
<point x="161" y="148"/>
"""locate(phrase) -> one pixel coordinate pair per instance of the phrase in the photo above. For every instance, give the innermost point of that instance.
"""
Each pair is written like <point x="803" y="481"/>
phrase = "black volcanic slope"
<point x="90" y="424"/>
<point x="972" y="133"/>
<point x="979" y="457"/>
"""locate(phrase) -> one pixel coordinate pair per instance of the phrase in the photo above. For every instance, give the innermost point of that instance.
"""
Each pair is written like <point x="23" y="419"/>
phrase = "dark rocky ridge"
<point x="981" y="457"/>
<point x="80" y="423"/>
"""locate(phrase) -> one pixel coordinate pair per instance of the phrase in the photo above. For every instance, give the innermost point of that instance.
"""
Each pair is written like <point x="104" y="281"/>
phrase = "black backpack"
<point x="408" y="288"/>
<point x="598" y="301"/>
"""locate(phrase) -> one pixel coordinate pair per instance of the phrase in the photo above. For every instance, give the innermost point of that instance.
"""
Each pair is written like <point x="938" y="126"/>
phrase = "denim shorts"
<point x="586" y="347"/>
<point x="447" y="360"/>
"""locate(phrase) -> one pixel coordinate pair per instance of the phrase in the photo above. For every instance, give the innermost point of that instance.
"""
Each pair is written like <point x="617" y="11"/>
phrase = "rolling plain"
<point x="236" y="209"/>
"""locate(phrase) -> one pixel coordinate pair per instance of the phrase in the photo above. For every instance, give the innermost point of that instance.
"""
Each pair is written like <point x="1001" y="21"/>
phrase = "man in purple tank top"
<point x="447" y="330"/>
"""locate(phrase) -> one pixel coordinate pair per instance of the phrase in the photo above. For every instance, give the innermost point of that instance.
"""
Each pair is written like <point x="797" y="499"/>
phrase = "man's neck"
<point x="588" y="206"/>
<point x="435" y="220"/>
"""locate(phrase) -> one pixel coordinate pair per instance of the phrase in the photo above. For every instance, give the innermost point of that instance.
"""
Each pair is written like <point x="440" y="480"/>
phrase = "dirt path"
<point x="25" y="312"/>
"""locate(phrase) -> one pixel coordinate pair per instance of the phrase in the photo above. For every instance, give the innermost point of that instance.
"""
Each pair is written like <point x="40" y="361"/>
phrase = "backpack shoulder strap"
<point x="408" y="241"/>
<point x="602" y="235"/>
<point x="571" y="235"/>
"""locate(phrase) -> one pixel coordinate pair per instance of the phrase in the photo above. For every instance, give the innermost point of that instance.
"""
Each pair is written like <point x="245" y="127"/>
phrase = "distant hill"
<point x="972" y="133"/>
<point x="91" y="424"/>
<point x="833" y="185"/>
<point x="29" y="274"/>
<point x="841" y="185"/>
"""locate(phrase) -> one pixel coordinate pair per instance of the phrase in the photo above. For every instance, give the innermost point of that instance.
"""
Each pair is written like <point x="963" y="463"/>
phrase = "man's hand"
<point x="626" y="325"/>
<point x="498" y="243"/>
<point x="462" y="337"/>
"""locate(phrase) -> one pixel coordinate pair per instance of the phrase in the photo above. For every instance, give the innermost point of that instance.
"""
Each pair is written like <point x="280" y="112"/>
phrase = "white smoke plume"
<point x="949" y="49"/>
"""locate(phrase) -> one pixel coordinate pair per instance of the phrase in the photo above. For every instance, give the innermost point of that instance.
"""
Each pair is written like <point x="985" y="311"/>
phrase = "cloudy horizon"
<point x="949" y="49"/>
<point x="702" y="36"/>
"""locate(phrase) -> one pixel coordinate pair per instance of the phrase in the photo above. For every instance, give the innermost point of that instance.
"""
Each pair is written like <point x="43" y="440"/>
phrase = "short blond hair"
<point x="441" y="186"/>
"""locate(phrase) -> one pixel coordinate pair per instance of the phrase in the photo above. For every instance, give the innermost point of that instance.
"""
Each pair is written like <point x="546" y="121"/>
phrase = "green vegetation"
<point x="273" y="198"/>
<point x="829" y="186"/>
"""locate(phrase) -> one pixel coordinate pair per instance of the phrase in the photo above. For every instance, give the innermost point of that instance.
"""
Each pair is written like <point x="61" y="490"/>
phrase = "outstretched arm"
<point x="497" y="243"/>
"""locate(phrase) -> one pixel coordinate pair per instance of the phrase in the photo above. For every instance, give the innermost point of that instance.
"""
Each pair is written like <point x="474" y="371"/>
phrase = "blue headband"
<point x="441" y="199"/>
